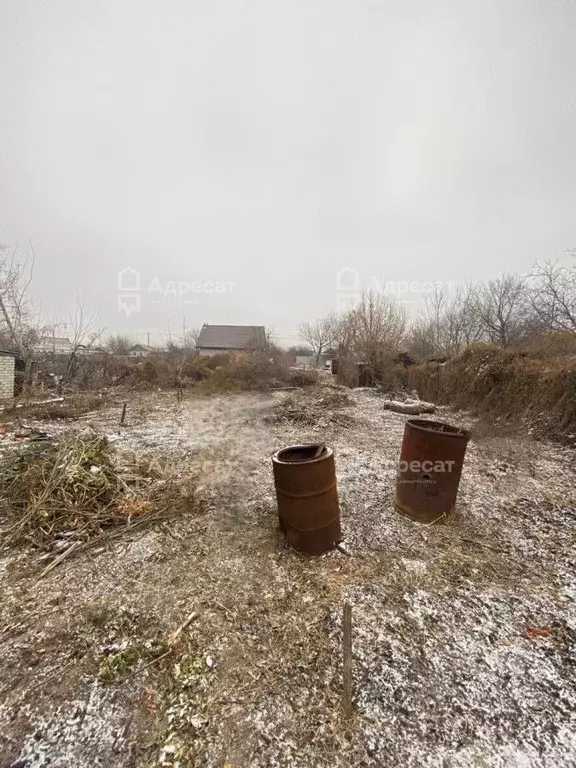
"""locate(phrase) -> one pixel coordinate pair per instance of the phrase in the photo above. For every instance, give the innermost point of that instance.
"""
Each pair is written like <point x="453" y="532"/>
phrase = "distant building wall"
<point x="209" y="352"/>
<point x="7" y="364"/>
<point x="311" y="360"/>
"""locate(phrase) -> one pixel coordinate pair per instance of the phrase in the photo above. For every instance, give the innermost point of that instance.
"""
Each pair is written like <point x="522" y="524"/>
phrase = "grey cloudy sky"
<point x="272" y="143"/>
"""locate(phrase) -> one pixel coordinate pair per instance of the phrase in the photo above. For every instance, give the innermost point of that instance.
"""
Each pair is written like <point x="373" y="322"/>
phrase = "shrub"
<point x="504" y="383"/>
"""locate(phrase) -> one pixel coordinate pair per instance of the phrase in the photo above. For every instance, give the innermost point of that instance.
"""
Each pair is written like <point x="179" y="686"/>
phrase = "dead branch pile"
<point x="71" y="407"/>
<point x="74" y="489"/>
<point x="311" y="410"/>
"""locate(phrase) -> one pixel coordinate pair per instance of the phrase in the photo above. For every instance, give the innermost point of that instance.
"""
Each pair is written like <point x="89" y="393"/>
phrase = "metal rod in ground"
<point x="123" y="417"/>
<point x="347" y="658"/>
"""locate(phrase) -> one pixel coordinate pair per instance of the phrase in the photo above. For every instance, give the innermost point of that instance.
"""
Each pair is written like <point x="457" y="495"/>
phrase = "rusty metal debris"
<point x="308" y="510"/>
<point x="429" y="471"/>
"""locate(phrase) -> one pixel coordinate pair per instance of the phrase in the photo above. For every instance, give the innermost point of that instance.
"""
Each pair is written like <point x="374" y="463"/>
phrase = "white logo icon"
<point x="347" y="280"/>
<point x="128" y="280"/>
<point x="128" y="291"/>
<point x="128" y="303"/>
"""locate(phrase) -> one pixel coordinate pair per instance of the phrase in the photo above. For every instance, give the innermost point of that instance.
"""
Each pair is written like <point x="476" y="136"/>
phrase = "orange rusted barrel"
<point x="308" y="510"/>
<point x="431" y="462"/>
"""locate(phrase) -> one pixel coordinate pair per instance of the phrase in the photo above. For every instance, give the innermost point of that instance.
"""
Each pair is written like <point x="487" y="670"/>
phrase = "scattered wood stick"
<point x="150" y="663"/>
<point x="347" y="659"/>
<point x="59" y="559"/>
<point x="123" y="417"/>
<point x="172" y="642"/>
<point x="175" y="636"/>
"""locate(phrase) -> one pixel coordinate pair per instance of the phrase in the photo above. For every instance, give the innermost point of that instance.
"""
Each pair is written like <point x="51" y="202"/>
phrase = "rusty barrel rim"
<point x="277" y="458"/>
<point x="439" y="428"/>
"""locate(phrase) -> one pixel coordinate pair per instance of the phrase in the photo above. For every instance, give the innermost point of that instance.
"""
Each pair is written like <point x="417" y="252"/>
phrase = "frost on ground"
<point x="464" y="631"/>
<point x="467" y="676"/>
<point x="84" y="731"/>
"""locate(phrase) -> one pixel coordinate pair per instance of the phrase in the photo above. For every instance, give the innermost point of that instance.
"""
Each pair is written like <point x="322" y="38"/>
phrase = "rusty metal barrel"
<point x="308" y="510"/>
<point x="431" y="462"/>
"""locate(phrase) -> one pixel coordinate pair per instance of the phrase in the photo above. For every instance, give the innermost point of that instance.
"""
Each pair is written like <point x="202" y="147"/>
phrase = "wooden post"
<point x="123" y="417"/>
<point x="347" y="659"/>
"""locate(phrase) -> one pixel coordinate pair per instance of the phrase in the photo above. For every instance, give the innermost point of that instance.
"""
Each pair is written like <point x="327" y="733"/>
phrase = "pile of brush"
<point x="309" y="409"/>
<point x="75" y="489"/>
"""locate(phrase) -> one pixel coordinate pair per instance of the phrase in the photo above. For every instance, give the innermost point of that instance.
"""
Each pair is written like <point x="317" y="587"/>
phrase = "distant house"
<point x="57" y="345"/>
<point x="138" y="350"/>
<point x="310" y="360"/>
<point x="215" y="339"/>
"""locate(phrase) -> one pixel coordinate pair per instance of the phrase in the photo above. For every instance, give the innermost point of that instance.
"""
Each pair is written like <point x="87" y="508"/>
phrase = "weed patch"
<point x="75" y="488"/>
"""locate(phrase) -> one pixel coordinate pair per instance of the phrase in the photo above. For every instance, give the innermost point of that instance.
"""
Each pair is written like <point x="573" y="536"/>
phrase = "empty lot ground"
<point x="464" y="631"/>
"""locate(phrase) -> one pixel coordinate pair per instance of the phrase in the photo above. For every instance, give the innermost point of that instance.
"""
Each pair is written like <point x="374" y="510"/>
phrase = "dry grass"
<point x="510" y="385"/>
<point x="71" y="407"/>
<point x="219" y="374"/>
<point x="75" y="489"/>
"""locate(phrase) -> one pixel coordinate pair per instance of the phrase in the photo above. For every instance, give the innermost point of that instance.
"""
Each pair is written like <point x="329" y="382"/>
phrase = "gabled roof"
<point x="47" y="343"/>
<point x="231" y="337"/>
<point x="55" y="339"/>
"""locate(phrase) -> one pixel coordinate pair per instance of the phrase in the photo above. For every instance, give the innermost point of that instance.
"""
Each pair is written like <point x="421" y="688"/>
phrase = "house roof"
<point x="138" y="348"/>
<point x="230" y="336"/>
<point x="55" y="339"/>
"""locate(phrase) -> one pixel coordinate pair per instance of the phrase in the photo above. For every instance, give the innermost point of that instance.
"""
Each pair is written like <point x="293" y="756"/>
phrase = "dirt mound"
<point x="505" y="384"/>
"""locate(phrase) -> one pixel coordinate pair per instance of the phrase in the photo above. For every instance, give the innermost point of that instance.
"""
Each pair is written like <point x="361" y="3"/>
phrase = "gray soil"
<point x="463" y="632"/>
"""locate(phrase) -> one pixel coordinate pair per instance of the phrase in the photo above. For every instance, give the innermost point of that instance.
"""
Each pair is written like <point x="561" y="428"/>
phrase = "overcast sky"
<point x="267" y="144"/>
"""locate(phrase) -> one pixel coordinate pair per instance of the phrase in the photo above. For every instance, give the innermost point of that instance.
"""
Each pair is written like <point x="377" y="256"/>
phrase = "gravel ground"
<point x="463" y="631"/>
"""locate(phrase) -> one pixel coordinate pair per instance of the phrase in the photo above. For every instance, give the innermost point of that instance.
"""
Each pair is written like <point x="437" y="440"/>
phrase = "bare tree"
<point x="429" y="333"/>
<point x="470" y="321"/>
<point x="319" y="334"/>
<point x="21" y="327"/>
<point x="344" y="332"/>
<point x="190" y="338"/>
<point x="118" y="344"/>
<point x="503" y="309"/>
<point x="83" y="335"/>
<point x="553" y="296"/>
<point x="371" y="333"/>
<point x="380" y="326"/>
